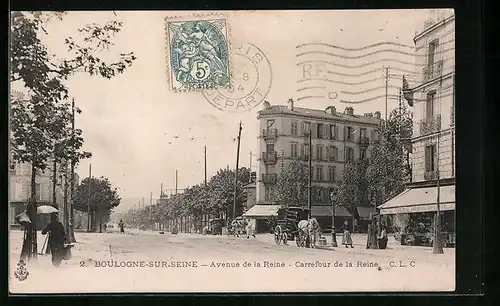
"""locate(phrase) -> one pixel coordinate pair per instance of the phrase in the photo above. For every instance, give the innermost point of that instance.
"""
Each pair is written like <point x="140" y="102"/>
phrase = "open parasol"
<point x="46" y="209"/>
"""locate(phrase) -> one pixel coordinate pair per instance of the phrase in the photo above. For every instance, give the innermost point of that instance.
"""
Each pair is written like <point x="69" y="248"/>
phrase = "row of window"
<point x="326" y="131"/>
<point x="318" y="194"/>
<point x="331" y="152"/>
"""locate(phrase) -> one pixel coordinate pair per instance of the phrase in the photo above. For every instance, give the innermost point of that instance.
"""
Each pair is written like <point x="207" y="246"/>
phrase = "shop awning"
<point x="365" y="213"/>
<point x="324" y="211"/>
<point x="418" y="200"/>
<point x="262" y="210"/>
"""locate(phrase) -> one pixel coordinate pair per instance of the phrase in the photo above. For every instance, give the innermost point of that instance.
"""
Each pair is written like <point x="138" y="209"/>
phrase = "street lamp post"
<point x="333" y="198"/>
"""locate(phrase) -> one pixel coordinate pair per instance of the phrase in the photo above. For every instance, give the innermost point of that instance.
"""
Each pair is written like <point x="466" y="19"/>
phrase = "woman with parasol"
<point x="57" y="238"/>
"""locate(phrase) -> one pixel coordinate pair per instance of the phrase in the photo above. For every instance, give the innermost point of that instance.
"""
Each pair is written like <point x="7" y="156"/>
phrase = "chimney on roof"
<point x="349" y="111"/>
<point x="377" y="115"/>
<point x="290" y="101"/>
<point x="266" y="105"/>
<point x="331" y="110"/>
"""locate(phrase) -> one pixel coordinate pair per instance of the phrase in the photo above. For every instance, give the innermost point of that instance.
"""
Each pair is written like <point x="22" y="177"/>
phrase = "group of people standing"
<point x="377" y="234"/>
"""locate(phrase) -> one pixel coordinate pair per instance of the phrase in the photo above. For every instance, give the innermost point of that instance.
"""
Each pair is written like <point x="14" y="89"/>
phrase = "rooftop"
<point x="320" y="114"/>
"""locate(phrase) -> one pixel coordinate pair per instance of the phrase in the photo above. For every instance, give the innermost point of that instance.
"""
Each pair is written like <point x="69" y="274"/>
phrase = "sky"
<point x="140" y="132"/>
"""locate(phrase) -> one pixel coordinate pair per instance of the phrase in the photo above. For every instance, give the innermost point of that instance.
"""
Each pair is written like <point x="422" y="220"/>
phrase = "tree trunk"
<point x="54" y="183"/>
<point x="66" y="213"/>
<point x="32" y="213"/>
<point x="71" y="235"/>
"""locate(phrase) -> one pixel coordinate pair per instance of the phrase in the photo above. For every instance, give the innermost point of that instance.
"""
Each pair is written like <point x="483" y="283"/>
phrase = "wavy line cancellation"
<point x="391" y="97"/>
<point x="412" y="54"/>
<point x="367" y="46"/>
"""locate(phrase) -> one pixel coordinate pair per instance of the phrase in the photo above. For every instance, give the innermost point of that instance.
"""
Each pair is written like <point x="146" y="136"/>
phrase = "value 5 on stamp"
<point x="198" y="54"/>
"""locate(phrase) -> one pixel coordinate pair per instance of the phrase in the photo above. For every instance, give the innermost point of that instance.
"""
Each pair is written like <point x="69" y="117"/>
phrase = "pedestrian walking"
<point x="250" y="229"/>
<point x="122" y="227"/>
<point x="57" y="238"/>
<point x="346" y="239"/>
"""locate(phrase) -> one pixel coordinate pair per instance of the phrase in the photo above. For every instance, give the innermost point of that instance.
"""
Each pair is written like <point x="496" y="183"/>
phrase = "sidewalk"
<point x="394" y="248"/>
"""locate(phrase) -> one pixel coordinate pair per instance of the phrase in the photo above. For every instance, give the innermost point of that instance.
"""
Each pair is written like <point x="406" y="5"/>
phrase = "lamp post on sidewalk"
<point x="333" y="199"/>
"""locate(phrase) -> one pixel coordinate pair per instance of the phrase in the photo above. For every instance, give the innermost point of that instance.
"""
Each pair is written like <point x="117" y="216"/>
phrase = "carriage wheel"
<point x="285" y="238"/>
<point x="278" y="235"/>
<point x="307" y="241"/>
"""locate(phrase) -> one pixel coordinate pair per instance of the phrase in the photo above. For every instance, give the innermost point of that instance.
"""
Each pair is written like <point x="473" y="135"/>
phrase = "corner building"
<point x="337" y="138"/>
<point x="433" y="141"/>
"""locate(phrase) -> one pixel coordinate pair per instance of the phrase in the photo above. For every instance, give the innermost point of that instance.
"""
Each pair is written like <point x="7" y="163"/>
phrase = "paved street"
<point x="167" y="263"/>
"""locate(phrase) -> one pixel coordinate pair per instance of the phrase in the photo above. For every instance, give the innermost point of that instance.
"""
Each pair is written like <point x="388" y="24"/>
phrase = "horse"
<point x="309" y="228"/>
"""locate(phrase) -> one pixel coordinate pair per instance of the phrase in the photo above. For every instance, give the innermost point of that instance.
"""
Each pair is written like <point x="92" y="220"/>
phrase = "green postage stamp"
<point x="198" y="54"/>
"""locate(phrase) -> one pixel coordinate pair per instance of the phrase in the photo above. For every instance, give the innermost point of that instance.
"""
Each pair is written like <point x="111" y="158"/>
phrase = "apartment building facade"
<point x="337" y="138"/>
<point x="433" y="142"/>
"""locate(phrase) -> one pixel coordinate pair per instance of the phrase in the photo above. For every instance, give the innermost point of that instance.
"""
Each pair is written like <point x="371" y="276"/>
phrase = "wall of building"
<point x="20" y="187"/>
<point x="441" y="82"/>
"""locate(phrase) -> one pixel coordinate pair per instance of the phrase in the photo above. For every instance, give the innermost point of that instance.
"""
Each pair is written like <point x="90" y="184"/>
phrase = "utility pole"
<point x="151" y="198"/>
<point x="203" y="216"/>
<point x="236" y="172"/>
<point x="72" y="183"/>
<point x="386" y="88"/>
<point x="161" y="190"/>
<point x="175" y="181"/>
<point x="89" y="215"/>
<point x="309" y="189"/>
<point x="437" y="247"/>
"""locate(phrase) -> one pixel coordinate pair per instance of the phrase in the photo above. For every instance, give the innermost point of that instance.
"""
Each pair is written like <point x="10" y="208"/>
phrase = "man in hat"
<point x="57" y="237"/>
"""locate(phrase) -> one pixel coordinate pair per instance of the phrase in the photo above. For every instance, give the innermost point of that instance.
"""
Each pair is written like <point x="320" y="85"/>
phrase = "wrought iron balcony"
<point x="269" y="157"/>
<point x="432" y="71"/>
<point x="364" y="141"/>
<point x="269" y="133"/>
<point x="269" y="178"/>
<point x="430" y="175"/>
<point x="430" y="125"/>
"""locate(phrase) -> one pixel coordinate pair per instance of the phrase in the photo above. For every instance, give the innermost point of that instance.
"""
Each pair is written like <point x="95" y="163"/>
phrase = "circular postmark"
<point x="250" y="82"/>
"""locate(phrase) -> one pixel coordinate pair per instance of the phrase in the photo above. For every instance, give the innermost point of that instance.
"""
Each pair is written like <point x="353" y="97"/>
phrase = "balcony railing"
<point x="269" y="178"/>
<point x="364" y="141"/>
<point x="430" y="175"/>
<point x="270" y="158"/>
<point x="432" y="71"/>
<point x="269" y="133"/>
<point x="430" y="125"/>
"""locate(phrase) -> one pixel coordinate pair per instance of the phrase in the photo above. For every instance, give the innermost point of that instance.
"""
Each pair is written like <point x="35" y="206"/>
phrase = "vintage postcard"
<point x="232" y="151"/>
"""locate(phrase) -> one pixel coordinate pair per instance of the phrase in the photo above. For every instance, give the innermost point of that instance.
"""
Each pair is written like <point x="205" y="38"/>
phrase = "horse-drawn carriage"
<point x="294" y="224"/>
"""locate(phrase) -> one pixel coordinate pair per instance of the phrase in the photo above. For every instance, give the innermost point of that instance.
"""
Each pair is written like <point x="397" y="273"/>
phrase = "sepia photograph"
<point x="232" y="151"/>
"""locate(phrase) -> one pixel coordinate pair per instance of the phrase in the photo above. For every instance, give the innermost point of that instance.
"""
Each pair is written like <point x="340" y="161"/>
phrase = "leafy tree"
<point x="291" y="187"/>
<point x="353" y="189"/>
<point x="37" y="130"/>
<point x="102" y="198"/>
<point x="390" y="168"/>
<point x="221" y="191"/>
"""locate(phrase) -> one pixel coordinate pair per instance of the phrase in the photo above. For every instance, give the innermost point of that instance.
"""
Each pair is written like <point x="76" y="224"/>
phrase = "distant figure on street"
<point x="205" y="230"/>
<point x="382" y="239"/>
<point x="57" y="238"/>
<point x="122" y="227"/>
<point x="250" y="230"/>
<point x="346" y="239"/>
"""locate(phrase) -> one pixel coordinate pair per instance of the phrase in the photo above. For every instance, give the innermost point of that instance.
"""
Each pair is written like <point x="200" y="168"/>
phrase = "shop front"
<point x="323" y="214"/>
<point x="263" y="217"/>
<point x="412" y="214"/>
